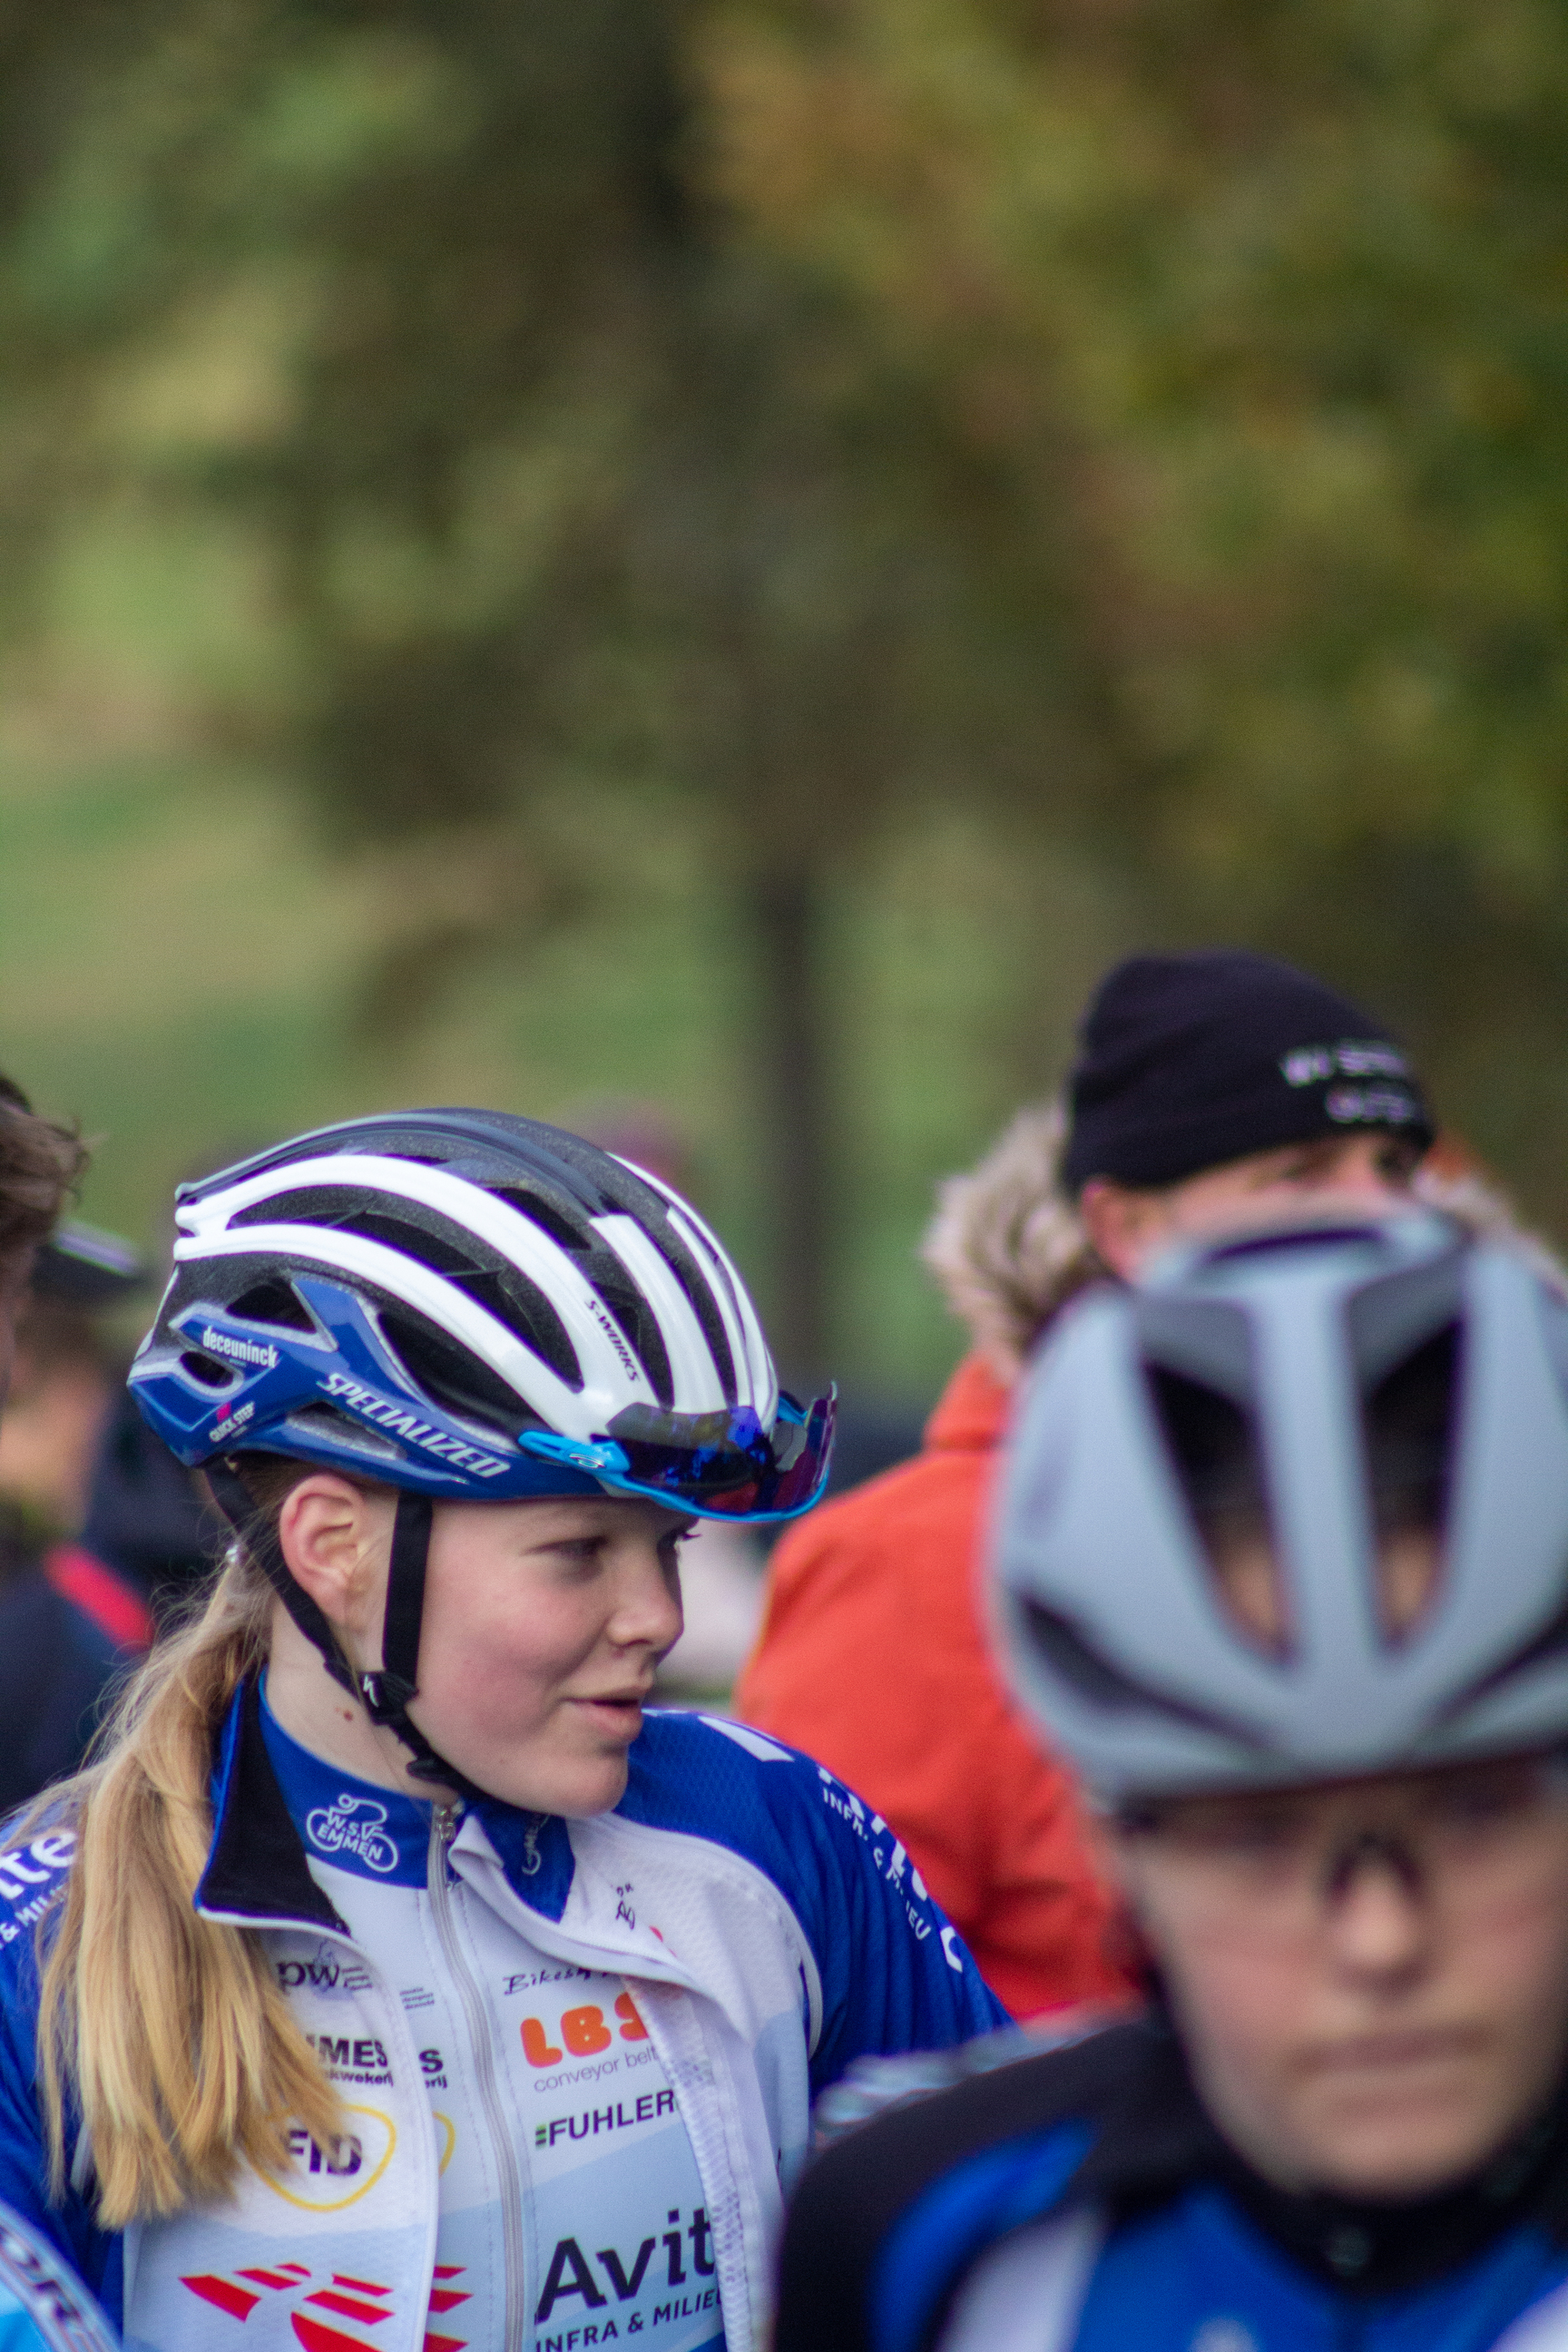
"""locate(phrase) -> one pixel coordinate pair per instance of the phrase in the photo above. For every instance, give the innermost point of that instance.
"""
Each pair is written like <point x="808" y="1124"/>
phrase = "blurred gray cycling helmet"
<point x="1340" y="1386"/>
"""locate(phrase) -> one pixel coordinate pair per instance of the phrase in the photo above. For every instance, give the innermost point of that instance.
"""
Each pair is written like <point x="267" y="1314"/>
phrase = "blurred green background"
<point x="728" y="557"/>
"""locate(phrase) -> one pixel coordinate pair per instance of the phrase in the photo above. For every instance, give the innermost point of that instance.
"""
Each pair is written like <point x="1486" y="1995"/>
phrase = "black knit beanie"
<point x="1187" y="1061"/>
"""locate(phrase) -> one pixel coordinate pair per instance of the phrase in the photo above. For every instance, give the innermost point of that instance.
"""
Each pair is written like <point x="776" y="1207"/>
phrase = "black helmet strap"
<point x="385" y="1693"/>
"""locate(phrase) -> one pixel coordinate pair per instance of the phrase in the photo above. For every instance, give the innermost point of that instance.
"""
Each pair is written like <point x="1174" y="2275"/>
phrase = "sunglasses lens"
<point x="724" y="1464"/>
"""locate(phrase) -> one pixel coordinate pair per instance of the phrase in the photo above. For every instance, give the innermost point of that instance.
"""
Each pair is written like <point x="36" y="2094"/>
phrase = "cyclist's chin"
<point x="573" y="1778"/>
<point x="1401" y="2144"/>
<point x="1394" y="2115"/>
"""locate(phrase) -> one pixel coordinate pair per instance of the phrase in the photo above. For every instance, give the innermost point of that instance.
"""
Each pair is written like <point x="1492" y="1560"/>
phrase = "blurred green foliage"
<point x="768" y="539"/>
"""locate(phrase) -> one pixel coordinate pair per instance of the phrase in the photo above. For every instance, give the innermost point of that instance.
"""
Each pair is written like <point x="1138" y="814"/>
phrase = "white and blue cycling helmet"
<point x="470" y="1306"/>
<point x="1321" y="1393"/>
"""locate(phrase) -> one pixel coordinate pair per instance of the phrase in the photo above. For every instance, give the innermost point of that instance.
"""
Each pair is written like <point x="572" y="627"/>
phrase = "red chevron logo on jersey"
<point x="360" y="2301"/>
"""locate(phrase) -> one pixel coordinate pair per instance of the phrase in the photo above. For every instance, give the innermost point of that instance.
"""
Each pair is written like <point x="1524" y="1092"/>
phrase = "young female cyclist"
<point x="411" y="1989"/>
<point x="1283" y="1562"/>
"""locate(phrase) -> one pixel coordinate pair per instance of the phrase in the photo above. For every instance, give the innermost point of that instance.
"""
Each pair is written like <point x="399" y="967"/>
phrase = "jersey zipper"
<point x="443" y="1829"/>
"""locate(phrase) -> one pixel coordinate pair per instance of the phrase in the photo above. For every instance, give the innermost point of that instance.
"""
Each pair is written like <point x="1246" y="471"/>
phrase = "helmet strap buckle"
<point x="385" y="1697"/>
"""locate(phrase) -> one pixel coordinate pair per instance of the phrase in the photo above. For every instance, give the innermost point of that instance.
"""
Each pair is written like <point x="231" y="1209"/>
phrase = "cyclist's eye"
<point x="1493" y="1798"/>
<point x="1270" y="1833"/>
<point x="1247" y="1831"/>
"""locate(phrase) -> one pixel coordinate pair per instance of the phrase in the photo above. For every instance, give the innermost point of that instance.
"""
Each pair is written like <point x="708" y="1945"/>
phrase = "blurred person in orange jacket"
<point x="1211" y="1090"/>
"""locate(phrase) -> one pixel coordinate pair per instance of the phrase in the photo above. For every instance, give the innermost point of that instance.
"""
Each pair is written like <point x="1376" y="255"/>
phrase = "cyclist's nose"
<point x="1377" y="1905"/>
<point x="648" y="1605"/>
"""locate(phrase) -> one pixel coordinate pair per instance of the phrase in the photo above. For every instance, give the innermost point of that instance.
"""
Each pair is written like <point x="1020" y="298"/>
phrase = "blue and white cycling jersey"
<point x="556" y="2114"/>
<point x="763" y="1928"/>
<point x="1078" y="2200"/>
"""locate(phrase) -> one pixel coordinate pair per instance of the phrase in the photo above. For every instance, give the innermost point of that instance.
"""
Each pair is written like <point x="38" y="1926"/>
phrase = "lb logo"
<point x="583" y="2032"/>
<point x="325" y="2180"/>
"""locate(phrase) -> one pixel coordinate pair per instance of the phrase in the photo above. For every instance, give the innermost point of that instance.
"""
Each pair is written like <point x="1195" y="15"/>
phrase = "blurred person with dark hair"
<point x="64" y="1374"/>
<point x="43" y="2306"/>
<point x="1210" y="1089"/>
<point x="146" y="1518"/>
<point x="40" y="1164"/>
<point x="68" y="1622"/>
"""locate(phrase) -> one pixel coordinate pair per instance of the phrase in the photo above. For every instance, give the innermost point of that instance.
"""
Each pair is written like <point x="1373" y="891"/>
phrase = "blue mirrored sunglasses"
<point x="719" y="1464"/>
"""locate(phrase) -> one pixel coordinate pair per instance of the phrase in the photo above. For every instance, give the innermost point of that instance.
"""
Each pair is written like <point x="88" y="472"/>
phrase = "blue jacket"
<point x="774" y="1928"/>
<point x="1078" y="2200"/>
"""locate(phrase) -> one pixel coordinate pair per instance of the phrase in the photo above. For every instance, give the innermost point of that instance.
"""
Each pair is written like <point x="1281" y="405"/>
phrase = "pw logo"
<point x="359" y="2301"/>
<point x="355" y="1825"/>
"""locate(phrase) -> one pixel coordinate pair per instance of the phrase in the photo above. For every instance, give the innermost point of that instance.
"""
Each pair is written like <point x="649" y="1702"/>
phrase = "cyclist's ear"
<point x="336" y="1541"/>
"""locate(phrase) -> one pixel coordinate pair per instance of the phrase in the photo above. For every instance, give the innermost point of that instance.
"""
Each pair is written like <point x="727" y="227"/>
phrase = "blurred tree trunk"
<point x="792" y="1082"/>
<point x="769" y="417"/>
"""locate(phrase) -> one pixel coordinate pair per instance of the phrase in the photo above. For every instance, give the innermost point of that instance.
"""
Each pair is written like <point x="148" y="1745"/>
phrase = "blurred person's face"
<point x="1129" y="1226"/>
<point x="55" y="1415"/>
<point x="14" y="1278"/>
<point x="1370" y="1980"/>
<point x="543" y="1624"/>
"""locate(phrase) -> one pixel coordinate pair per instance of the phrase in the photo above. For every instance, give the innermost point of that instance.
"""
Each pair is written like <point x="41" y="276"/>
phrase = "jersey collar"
<point x="257" y="1870"/>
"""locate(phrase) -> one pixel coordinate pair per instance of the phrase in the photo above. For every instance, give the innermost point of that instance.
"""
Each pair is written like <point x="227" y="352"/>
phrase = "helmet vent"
<point x="1214" y="1449"/>
<point x="673" y="1250"/>
<point x="206" y="1368"/>
<point x="606" y="1272"/>
<point x="1104" y="1686"/>
<point x="542" y="1213"/>
<point x="325" y="1422"/>
<point x="508" y="1295"/>
<point x="452" y="1377"/>
<point x="525" y="1310"/>
<point x="408" y="1239"/>
<point x="272" y="1302"/>
<point x="1410" y="1420"/>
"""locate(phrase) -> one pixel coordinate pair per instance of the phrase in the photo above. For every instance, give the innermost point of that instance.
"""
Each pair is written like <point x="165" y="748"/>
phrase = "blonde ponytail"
<point x="165" y="2033"/>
